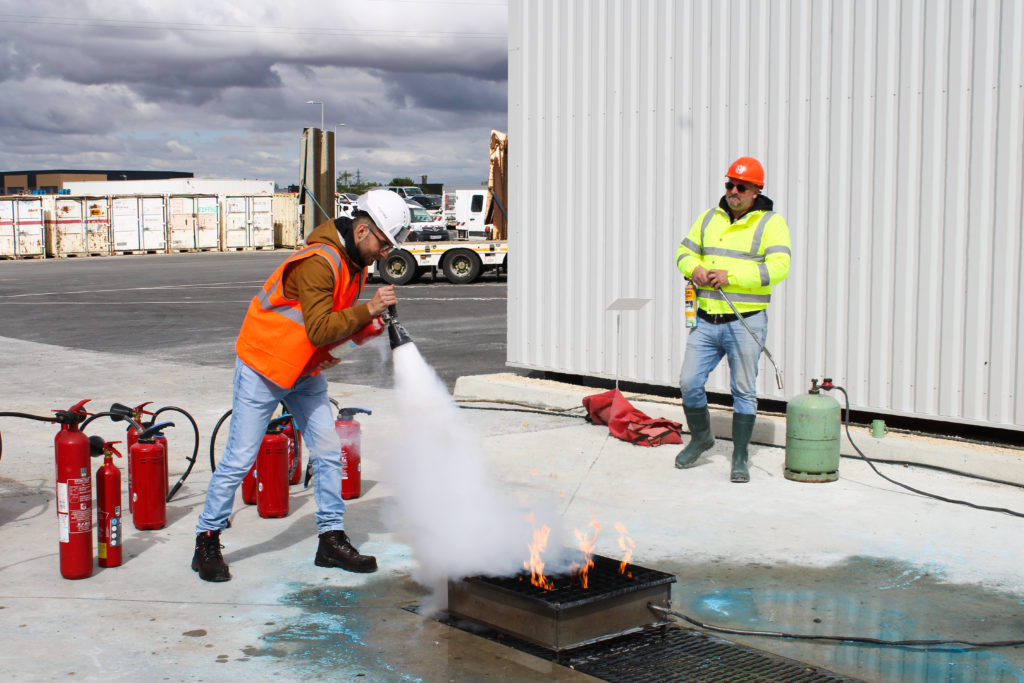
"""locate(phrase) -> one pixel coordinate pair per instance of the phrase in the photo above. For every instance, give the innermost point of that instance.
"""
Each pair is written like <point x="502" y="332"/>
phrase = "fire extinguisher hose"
<point x="220" y="423"/>
<point x="28" y="416"/>
<point x="213" y="440"/>
<point x="195" y="446"/>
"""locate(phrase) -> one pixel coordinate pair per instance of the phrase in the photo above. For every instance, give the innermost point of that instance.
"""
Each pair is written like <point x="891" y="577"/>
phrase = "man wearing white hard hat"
<point x="306" y="308"/>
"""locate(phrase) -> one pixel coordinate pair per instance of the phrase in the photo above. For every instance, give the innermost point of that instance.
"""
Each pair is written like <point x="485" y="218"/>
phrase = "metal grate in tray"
<point x="604" y="581"/>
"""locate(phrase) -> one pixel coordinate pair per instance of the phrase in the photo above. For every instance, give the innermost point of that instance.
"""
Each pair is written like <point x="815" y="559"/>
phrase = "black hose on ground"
<point x="531" y="408"/>
<point x="848" y="639"/>
<point x="195" y="448"/>
<point x="905" y="486"/>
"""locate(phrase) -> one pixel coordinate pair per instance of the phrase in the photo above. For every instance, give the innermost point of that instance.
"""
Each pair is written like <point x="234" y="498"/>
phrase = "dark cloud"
<point x="447" y="91"/>
<point x="222" y="88"/>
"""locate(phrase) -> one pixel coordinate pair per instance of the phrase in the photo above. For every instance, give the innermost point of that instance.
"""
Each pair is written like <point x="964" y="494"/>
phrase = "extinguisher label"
<point x="62" y="497"/>
<point x="79" y="505"/>
<point x="62" y="525"/>
<point x="115" y="532"/>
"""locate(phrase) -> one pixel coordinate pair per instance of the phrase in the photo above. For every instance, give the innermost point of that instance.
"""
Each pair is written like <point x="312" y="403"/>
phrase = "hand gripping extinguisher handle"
<point x="349" y="413"/>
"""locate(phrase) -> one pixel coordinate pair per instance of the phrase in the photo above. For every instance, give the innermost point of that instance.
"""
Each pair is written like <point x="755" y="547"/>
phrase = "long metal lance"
<point x="778" y="375"/>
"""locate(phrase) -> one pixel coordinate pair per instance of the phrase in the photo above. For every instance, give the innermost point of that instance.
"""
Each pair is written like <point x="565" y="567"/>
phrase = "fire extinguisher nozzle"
<point x="397" y="335"/>
<point x="96" y="444"/>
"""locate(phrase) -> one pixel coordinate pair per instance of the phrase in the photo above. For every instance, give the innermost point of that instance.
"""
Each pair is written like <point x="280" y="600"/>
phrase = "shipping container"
<point x="79" y="226"/>
<point x="286" y="219"/>
<point x="248" y="222"/>
<point x="21" y="227"/>
<point x="192" y="222"/>
<point x="892" y="135"/>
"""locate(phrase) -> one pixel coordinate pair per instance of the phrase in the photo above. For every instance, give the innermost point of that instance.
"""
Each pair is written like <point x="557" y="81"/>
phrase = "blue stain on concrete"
<point x="738" y="605"/>
<point x="867" y="597"/>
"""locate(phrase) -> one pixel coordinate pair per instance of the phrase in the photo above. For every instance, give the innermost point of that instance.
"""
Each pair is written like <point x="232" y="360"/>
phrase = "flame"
<point x="536" y="565"/>
<point x="587" y="546"/>
<point x="627" y="544"/>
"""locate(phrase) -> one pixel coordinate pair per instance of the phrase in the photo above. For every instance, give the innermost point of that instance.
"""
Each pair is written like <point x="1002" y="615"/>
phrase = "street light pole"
<point x="321" y="111"/>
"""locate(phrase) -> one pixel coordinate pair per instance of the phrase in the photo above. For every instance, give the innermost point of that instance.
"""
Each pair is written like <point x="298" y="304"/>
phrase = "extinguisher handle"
<point x="278" y="423"/>
<point x="80" y="407"/>
<point x="154" y="430"/>
<point x="349" y="413"/>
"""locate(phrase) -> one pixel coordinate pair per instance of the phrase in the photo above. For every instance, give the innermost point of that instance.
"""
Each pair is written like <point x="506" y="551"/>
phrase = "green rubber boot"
<point x="701" y="438"/>
<point x="742" y="428"/>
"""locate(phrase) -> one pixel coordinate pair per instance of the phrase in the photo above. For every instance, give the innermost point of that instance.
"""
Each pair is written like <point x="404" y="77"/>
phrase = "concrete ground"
<point x="858" y="556"/>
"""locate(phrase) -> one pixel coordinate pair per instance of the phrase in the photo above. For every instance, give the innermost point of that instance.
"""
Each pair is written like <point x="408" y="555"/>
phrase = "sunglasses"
<point x="739" y="187"/>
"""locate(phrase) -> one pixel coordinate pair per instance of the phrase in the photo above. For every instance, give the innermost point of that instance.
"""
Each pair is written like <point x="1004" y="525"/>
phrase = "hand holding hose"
<point x="382" y="298"/>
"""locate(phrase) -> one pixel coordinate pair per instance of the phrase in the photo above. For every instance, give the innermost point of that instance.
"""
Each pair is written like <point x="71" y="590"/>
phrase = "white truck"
<point x="460" y="261"/>
<point x="465" y="212"/>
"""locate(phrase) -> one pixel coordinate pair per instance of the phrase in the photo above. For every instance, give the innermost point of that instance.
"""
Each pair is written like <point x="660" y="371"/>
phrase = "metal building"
<point x="893" y="138"/>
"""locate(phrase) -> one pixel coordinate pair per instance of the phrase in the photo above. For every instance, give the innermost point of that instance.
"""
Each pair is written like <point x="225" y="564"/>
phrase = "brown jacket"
<point x="311" y="281"/>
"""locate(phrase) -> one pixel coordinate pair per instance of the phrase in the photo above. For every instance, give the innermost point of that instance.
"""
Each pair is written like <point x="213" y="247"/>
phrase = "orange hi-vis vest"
<point x="273" y="339"/>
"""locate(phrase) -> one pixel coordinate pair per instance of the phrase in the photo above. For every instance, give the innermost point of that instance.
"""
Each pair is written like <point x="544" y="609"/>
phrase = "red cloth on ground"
<point x="629" y="424"/>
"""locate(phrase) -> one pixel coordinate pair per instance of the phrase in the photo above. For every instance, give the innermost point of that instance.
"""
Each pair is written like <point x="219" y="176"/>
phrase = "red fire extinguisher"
<point x="272" y="471"/>
<point x="136" y="414"/>
<point x="74" y="493"/>
<point x="350" y="434"/>
<point x="109" y="531"/>
<point x="342" y="348"/>
<point x="147" y="463"/>
<point x="294" y="452"/>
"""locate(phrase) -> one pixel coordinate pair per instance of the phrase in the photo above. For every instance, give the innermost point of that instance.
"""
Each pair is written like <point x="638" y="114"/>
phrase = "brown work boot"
<point x="335" y="550"/>
<point x="207" y="559"/>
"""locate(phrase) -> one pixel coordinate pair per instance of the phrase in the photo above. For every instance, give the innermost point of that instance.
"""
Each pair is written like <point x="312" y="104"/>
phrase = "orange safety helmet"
<point x="747" y="168"/>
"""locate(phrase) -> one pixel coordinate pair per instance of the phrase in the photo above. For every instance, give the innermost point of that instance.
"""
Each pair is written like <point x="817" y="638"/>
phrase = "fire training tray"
<point x="568" y="615"/>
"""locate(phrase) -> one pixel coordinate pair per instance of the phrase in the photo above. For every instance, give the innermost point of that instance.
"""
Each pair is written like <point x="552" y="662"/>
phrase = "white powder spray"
<point x="451" y="510"/>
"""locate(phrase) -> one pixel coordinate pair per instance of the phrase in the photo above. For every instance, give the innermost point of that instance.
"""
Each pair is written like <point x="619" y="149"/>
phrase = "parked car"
<point x="430" y="202"/>
<point x="424" y="227"/>
<point x="405" y="191"/>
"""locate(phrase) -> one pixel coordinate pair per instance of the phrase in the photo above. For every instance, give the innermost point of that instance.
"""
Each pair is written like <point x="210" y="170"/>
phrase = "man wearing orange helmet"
<point x="740" y="247"/>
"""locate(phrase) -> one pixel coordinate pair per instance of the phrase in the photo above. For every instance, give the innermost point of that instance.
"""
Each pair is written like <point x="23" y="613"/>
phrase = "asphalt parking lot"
<point x="188" y="308"/>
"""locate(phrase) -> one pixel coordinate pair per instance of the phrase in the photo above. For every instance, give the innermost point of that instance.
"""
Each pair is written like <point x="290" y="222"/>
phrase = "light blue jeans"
<point x="255" y="400"/>
<point x="705" y="347"/>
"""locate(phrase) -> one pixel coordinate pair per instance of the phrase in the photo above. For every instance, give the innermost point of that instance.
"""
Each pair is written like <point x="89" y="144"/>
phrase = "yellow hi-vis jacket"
<point x="754" y="250"/>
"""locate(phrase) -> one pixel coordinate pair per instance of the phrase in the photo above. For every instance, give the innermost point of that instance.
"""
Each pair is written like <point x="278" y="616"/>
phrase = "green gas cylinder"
<point x="812" y="437"/>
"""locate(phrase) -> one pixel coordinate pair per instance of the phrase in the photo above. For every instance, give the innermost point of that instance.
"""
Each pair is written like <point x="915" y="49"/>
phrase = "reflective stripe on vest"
<point x="273" y="339"/>
<point x="751" y="254"/>
<point x="293" y="312"/>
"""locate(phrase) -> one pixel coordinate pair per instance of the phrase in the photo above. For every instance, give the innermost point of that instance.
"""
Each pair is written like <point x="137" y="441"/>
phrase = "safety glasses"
<point x="739" y="187"/>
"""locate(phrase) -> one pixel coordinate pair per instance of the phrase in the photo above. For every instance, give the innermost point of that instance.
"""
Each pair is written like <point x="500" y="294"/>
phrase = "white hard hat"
<point x="388" y="211"/>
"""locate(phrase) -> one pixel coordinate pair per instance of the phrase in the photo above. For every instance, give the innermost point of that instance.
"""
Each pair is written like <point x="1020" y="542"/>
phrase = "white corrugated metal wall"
<point x="893" y="138"/>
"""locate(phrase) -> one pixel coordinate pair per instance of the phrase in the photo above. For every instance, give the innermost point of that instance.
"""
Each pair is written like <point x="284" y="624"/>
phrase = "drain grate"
<point x="678" y="654"/>
<point x="665" y="654"/>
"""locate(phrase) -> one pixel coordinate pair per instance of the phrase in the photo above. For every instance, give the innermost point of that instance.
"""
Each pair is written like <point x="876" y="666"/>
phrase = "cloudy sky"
<point x="219" y="88"/>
